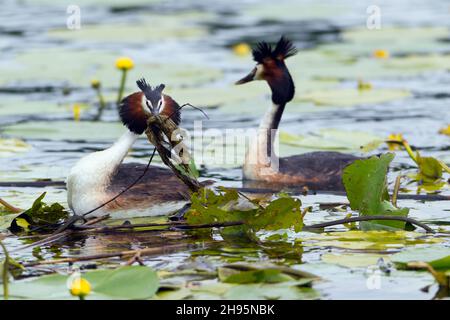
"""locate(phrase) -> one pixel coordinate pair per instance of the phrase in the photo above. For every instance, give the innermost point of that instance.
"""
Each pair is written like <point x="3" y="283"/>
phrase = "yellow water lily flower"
<point x="95" y="83"/>
<point x="241" y="49"/>
<point x="445" y="131"/>
<point x="76" y="112"/>
<point x="124" y="63"/>
<point x="381" y="54"/>
<point x="364" y="85"/>
<point x="80" y="288"/>
<point x="394" y="137"/>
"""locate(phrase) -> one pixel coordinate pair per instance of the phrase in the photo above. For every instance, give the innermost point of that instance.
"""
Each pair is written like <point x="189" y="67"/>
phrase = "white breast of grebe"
<point x="88" y="180"/>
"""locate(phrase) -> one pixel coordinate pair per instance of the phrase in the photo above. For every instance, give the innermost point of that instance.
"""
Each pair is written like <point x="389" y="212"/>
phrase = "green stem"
<point x="444" y="166"/>
<point x="5" y="273"/>
<point x="122" y="86"/>
<point x="102" y="104"/>
<point x="396" y="190"/>
<point x="409" y="150"/>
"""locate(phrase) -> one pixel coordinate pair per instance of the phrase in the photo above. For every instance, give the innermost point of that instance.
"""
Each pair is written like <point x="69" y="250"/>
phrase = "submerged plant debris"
<point x="354" y="88"/>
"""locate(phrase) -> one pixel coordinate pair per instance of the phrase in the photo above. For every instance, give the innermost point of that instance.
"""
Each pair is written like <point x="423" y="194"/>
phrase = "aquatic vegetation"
<point x="127" y="282"/>
<point x="80" y="288"/>
<point x="123" y="64"/>
<point x="354" y="88"/>
<point x="39" y="216"/>
<point x="366" y="187"/>
<point x="228" y="206"/>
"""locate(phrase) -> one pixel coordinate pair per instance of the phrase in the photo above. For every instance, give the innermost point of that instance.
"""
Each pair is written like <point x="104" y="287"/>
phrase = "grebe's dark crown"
<point x="283" y="50"/>
<point x="152" y="94"/>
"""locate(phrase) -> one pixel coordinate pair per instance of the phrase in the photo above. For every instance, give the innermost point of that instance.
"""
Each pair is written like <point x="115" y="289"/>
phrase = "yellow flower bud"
<point x="381" y="54"/>
<point x="76" y="112"/>
<point x="95" y="83"/>
<point x="80" y="288"/>
<point x="364" y="85"/>
<point x="241" y="49"/>
<point x="124" y="63"/>
<point x="445" y="131"/>
<point x="394" y="137"/>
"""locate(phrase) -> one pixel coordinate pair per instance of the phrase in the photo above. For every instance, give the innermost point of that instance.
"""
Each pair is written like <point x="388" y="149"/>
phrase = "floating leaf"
<point x="240" y="273"/>
<point x="333" y="139"/>
<point x="227" y="206"/>
<point x="129" y="282"/>
<point x="66" y="130"/>
<point x="366" y="187"/>
<point x="373" y="239"/>
<point x="352" y="260"/>
<point x="9" y="147"/>
<point x="437" y="257"/>
<point x="39" y="215"/>
<point x="352" y="97"/>
<point x="429" y="168"/>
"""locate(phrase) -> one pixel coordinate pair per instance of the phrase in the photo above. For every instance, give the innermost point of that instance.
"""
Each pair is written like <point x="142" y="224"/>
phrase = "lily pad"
<point x="373" y="240"/>
<point x="394" y="39"/>
<point x="14" y="106"/>
<point x="34" y="67"/>
<point x="437" y="257"/>
<point x="147" y="28"/>
<point x="331" y="139"/>
<point x="10" y="147"/>
<point x="66" y="130"/>
<point x="352" y="97"/>
<point x="365" y="182"/>
<point x="352" y="260"/>
<point x="129" y="282"/>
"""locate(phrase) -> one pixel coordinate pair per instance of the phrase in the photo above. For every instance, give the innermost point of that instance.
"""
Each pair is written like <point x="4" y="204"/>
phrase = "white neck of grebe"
<point x="91" y="175"/>
<point x="261" y="152"/>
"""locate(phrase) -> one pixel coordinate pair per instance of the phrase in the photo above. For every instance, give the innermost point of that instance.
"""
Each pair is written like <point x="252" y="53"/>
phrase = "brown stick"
<point x="56" y="237"/>
<point x="159" y="130"/>
<point x="9" y="206"/>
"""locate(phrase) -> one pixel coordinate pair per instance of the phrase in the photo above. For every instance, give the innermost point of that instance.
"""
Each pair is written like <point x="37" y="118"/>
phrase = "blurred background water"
<point x="199" y="49"/>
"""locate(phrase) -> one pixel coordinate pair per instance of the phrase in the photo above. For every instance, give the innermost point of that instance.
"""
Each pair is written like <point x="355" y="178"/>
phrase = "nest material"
<point x="159" y="132"/>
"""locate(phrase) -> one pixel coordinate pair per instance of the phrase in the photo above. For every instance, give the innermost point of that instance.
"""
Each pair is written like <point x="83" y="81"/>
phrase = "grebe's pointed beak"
<point x="247" y="78"/>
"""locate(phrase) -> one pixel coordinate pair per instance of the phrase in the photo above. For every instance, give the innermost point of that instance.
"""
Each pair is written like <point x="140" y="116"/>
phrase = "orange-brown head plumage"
<point x="137" y="107"/>
<point x="271" y="68"/>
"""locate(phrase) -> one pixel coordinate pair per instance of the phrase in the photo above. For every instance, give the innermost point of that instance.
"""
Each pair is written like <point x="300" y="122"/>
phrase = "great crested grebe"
<point x="99" y="176"/>
<point x="315" y="170"/>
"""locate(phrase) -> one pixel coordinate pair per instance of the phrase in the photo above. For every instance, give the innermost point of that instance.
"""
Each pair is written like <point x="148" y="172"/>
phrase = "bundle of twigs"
<point x="160" y="131"/>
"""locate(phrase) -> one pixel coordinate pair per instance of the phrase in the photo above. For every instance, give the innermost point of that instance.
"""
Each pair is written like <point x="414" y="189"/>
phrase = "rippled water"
<point x="201" y="35"/>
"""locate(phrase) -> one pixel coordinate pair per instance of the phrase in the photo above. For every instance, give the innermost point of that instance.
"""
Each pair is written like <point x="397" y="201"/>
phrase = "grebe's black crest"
<point x="283" y="50"/>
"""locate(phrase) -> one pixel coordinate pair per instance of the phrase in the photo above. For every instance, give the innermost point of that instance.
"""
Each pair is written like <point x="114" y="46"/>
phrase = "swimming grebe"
<point x="315" y="170"/>
<point x="99" y="176"/>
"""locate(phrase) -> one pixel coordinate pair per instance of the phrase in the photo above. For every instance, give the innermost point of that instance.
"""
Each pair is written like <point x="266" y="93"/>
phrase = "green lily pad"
<point x="352" y="260"/>
<point x="393" y="39"/>
<point x="332" y="64"/>
<point x="273" y="291"/>
<point x="83" y="3"/>
<point x="331" y="139"/>
<point x="294" y="11"/>
<point x="66" y="130"/>
<point x="19" y="106"/>
<point x="373" y="240"/>
<point x="147" y="28"/>
<point x="352" y="97"/>
<point x="437" y="257"/>
<point x="10" y="147"/>
<point x="365" y="182"/>
<point x="35" y="67"/>
<point x="129" y="282"/>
